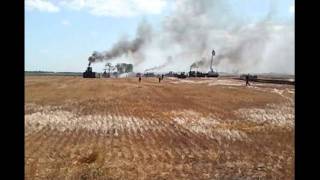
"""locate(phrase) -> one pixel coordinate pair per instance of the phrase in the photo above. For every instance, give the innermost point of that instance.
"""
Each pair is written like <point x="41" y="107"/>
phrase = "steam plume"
<point x="169" y="60"/>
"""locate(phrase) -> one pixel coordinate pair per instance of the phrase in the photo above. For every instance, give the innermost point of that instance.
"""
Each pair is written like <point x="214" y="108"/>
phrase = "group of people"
<point x="162" y="76"/>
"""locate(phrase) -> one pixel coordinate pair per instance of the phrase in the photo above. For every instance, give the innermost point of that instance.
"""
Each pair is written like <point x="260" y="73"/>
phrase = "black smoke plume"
<point x="124" y="46"/>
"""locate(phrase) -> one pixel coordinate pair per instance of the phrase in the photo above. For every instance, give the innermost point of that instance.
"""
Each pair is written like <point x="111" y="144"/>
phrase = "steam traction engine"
<point x="88" y="73"/>
<point x="212" y="73"/>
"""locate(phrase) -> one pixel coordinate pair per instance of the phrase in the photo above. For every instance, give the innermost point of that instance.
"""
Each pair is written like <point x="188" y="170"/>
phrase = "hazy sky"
<point x="60" y="35"/>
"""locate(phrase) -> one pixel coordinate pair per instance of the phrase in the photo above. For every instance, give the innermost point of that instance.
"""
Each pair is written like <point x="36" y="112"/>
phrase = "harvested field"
<point x="178" y="129"/>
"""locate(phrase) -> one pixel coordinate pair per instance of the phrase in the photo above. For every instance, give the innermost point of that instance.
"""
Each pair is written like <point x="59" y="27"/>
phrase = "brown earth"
<point x="178" y="129"/>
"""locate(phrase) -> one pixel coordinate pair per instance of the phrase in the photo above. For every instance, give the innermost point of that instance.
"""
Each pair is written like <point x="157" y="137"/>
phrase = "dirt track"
<point x="179" y="129"/>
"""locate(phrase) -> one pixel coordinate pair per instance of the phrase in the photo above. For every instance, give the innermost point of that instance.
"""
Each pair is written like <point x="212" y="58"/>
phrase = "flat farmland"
<point x="196" y="128"/>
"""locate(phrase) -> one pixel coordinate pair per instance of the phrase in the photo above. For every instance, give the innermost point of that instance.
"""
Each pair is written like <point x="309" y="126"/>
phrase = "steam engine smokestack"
<point x="213" y="53"/>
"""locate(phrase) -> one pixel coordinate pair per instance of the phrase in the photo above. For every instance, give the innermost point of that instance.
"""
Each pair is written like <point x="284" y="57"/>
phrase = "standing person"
<point x="139" y="78"/>
<point x="247" y="80"/>
<point x="162" y="77"/>
<point x="159" y="79"/>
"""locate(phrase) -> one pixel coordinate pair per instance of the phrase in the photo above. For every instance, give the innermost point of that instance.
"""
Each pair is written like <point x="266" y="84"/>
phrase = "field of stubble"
<point x="179" y="129"/>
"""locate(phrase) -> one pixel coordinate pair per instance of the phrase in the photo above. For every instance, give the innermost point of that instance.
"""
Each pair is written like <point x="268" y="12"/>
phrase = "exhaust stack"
<point x="212" y="73"/>
<point x="213" y="53"/>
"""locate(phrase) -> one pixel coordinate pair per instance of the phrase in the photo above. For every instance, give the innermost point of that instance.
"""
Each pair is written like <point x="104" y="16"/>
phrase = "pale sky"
<point x="60" y="35"/>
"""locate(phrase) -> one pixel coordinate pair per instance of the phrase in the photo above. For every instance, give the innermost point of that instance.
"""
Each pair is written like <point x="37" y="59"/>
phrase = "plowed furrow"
<point x="151" y="123"/>
<point x="107" y="149"/>
<point x="35" y="136"/>
<point x="135" y="144"/>
<point x="50" y="144"/>
<point x="143" y="148"/>
<point x="39" y="142"/>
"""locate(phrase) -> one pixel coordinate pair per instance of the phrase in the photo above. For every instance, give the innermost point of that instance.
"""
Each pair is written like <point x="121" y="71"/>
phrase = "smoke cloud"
<point x="194" y="28"/>
<point x="198" y="64"/>
<point x="168" y="62"/>
<point x="126" y="47"/>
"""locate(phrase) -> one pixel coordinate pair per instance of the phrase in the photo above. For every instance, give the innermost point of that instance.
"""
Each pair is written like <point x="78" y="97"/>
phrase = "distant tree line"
<point x="124" y="68"/>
